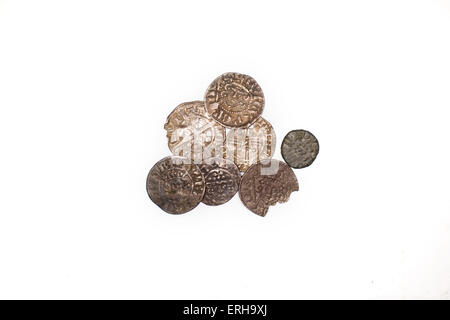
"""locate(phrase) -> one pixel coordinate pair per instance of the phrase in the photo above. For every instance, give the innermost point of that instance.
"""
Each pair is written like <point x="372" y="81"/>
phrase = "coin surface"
<point x="193" y="133"/>
<point x="222" y="179"/>
<point x="299" y="148"/>
<point x="176" y="185"/>
<point x="266" y="183"/>
<point x="234" y="100"/>
<point x="246" y="146"/>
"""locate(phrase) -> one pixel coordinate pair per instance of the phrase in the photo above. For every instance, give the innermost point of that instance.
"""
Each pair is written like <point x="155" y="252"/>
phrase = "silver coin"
<point x="299" y="148"/>
<point x="222" y="179"/>
<point x="176" y="185"/>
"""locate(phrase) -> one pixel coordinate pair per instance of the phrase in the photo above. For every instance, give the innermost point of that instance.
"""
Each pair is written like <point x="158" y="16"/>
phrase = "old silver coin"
<point x="222" y="179"/>
<point x="176" y="185"/>
<point x="266" y="183"/>
<point x="246" y="146"/>
<point x="234" y="100"/>
<point x="299" y="148"/>
<point x="192" y="133"/>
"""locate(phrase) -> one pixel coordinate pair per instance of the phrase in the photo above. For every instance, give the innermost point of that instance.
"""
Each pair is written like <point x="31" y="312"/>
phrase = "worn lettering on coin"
<point x="266" y="183"/>
<point x="234" y="100"/>
<point x="193" y="133"/>
<point x="246" y="146"/>
<point x="222" y="179"/>
<point x="299" y="148"/>
<point x="176" y="185"/>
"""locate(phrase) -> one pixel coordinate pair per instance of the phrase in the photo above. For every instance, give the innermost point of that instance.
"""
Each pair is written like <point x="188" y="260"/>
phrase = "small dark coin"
<point x="266" y="183"/>
<point x="299" y="148"/>
<point x="222" y="179"/>
<point x="234" y="100"/>
<point x="176" y="185"/>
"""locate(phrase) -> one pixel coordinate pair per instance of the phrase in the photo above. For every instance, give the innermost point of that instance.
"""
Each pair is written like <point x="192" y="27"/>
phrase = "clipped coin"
<point x="299" y="148"/>
<point x="176" y="185"/>
<point x="192" y="133"/>
<point x="234" y="100"/>
<point x="246" y="146"/>
<point x="222" y="179"/>
<point x="266" y="183"/>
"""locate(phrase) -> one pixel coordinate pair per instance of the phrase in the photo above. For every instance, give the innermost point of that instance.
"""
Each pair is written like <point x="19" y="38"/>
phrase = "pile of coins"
<point x="221" y="146"/>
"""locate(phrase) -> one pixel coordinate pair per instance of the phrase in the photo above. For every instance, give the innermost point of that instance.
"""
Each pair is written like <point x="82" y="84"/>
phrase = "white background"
<point x="85" y="89"/>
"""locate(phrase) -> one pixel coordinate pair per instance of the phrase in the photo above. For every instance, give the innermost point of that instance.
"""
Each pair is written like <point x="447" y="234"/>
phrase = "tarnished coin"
<point x="246" y="146"/>
<point x="299" y="148"/>
<point x="234" y="100"/>
<point x="266" y="183"/>
<point x="176" y="185"/>
<point x="193" y="133"/>
<point x="221" y="179"/>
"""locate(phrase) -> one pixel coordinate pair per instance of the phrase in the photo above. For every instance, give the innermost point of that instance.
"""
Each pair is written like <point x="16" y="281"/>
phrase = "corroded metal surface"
<point x="299" y="148"/>
<point x="266" y="183"/>
<point x="176" y="185"/>
<point x="234" y="100"/>
<point x="246" y="146"/>
<point x="222" y="179"/>
<point x="193" y="133"/>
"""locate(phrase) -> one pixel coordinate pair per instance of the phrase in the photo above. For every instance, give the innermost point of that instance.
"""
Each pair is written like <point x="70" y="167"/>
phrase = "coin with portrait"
<point x="175" y="184"/>
<point x="234" y="100"/>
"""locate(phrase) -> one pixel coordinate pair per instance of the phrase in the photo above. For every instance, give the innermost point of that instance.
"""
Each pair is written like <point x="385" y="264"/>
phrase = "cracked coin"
<point x="299" y="148"/>
<point x="246" y="146"/>
<point x="221" y="180"/>
<point x="193" y="133"/>
<point x="266" y="183"/>
<point x="234" y="100"/>
<point x="176" y="185"/>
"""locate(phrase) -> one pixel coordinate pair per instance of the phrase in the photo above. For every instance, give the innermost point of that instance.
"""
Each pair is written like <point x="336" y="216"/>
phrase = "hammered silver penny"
<point x="234" y="100"/>
<point x="266" y="183"/>
<point x="176" y="185"/>
<point x="193" y="134"/>
<point x="299" y="148"/>
<point x="222" y="179"/>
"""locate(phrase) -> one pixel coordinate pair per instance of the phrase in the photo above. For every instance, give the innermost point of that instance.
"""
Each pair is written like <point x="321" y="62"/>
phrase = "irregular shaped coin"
<point x="193" y="133"/>
<point x="221" y="179"/>
<point x="266" y="183"/>
<point x="299" y="148"/>
<point x="234" y="100"/>
<point x="247" y="146"/>
<point x="176" y="185"/>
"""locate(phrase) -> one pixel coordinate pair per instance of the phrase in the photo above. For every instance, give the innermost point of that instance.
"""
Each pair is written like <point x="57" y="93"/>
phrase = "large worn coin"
<point x="246" y="146"/>
<point x="193" y="133"/>
<point x="266" y="183"/>
<point x="221" y="179"/>
<point x="234" y="100"/>
<point x="299" y="148"/>
<point x="176" y="185"/>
